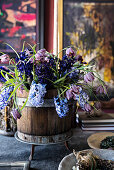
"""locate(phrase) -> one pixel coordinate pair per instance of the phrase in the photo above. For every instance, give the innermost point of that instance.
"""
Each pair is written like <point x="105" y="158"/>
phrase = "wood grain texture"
<point x="44" y="121"/>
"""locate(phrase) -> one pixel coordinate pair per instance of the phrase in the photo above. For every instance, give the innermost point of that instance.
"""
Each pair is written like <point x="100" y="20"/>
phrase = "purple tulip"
<point x="15" y="113"/>
<point x="75" y="89"/>
<point x="69" y="94"/>
<point x="70" y="52"/>
<point x="100" y="89"/>
<point x="79" y="58"/>
<point x="89" y="77"/>
<point x="97" y="105"/>
<point x="87" y="107"/>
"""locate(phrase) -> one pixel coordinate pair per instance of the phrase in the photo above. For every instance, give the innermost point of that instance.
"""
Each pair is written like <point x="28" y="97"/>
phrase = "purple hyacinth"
<point x="24" y="64"/>
<point x="74" y="74"/>
<point x="36" y="94"/>
<point x="15" y="113"/>
<point x="41" y="56"/>
<point x="66" y="65"/>
<point x="70" y="52"/>
<point x="61" y="106"/>
<point x="45" y="73"/>
<point x="102" y="90"/>
<point x="89" y="77"/>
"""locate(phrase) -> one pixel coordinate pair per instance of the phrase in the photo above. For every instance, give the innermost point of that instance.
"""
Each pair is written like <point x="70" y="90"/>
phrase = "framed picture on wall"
<point x="89" y="28"/>
<point x="19" y="22"/>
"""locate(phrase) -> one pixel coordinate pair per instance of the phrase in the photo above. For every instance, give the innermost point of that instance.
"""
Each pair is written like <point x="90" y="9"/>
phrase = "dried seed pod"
<point x="85" y="160"/>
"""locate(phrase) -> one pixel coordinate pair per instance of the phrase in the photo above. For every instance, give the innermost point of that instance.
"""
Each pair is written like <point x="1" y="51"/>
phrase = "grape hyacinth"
<point x="4" y="96"/>
<point x="61" y="106"/>
<point x="36" y="94"/>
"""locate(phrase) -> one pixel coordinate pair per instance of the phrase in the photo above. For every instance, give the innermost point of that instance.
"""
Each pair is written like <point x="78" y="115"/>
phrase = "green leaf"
<point x="14" y="91"/>
<point x="24" y="104"/>
<point x="61" y="79"/>
<point x="23" y="46"/>
<point x="33" y="48"/>
<point x="3" y="75"/>
<point x="12" y="49"/>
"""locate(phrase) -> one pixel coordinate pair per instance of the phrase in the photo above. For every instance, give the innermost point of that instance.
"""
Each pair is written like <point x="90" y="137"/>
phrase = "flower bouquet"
<point x="39" y="71"/>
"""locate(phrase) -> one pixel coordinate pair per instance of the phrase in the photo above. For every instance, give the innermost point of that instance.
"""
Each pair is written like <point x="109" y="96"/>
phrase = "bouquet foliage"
<point x="39" y="71"/>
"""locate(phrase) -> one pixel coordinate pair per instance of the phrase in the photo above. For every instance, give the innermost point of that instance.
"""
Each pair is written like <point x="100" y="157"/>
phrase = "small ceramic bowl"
<point x="69" y="161"/>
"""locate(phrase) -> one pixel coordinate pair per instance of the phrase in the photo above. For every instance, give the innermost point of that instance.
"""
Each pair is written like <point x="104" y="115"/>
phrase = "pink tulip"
<point x="89" y="77"/>
<point x="70" y="52"/>
<point x="4" y="58"/>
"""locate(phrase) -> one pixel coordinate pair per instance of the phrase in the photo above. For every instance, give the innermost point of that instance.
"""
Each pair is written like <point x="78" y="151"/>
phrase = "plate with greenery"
<point x="93" y="159"/>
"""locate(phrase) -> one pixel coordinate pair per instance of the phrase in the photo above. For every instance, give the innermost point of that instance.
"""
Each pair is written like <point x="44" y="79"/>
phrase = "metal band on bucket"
<point x="47" y="102"/>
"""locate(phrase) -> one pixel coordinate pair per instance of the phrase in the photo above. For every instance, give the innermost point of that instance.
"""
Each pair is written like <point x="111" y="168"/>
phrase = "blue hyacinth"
<point x="61" y="106"/>
<point x="4" y="96"/>
<point x="36" y="94"/>
<point x="82" y="99"/>
<point x="2" y="68"/>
